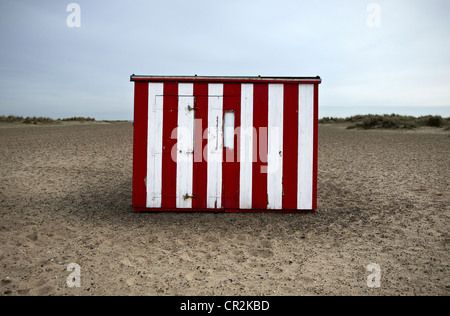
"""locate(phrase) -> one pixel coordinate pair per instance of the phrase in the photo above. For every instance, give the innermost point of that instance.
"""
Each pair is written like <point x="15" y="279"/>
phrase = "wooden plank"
<point x="215" y="146"/>
<point x="246" y="147"/>
<point x="154" y="153"/>
<point x="185" y="150"/>
<point x="316" y="145"/>
<point x="169" y="160"/>
<point x="275" y="147"/>
<point x="140" y="144"/>
<point x="231" y="165"/>
<point x="290" y="146"/>
<point x="200" y="176"/>
<point x="260" y="123"/>
<point x="305" y="147"/>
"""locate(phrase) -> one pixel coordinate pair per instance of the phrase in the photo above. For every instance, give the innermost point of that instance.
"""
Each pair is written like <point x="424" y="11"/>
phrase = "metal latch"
<point x="187" y="197"/>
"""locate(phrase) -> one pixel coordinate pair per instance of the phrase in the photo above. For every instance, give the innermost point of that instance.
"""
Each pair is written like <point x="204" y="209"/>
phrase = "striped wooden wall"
<point x="225" y="146"/>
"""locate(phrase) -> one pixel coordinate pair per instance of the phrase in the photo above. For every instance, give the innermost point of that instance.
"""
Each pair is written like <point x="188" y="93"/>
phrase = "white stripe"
<point x="185" y="136"/>
<point x="154" y="147"/>
<point x="246" y="147"/>
<point x="215" y="146"/>
<point x="305" y="147"/>
<point x="275" y="147"/>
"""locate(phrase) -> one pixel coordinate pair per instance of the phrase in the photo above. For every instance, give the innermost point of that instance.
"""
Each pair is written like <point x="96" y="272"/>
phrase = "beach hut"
<point x="231" y="144"/>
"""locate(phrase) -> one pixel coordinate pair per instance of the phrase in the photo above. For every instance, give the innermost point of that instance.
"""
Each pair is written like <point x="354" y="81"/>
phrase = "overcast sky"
<point x="50" y="69"/>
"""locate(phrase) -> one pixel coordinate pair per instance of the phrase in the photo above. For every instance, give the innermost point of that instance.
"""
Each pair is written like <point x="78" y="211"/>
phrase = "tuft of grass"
<point x="432" y="121"/>
<point x="386" y="121"/>
<point x="331" y="120"/>
<point x="39" y="120"/>
<point x="11" y="119"/>
<point x="42" y="120"/>
<point x="78" y="119"/>
<point x="393" y="121"/>
<point x="115" y="121"/>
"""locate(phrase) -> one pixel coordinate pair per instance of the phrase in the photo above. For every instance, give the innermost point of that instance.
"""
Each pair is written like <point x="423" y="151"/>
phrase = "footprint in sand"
<point x="40" y="288"/>
<point x="5" y="282"/>
<point x="42" y="291"/>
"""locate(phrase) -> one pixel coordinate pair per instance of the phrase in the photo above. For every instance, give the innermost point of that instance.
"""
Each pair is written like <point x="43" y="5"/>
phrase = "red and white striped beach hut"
<point x="234" y="144"/>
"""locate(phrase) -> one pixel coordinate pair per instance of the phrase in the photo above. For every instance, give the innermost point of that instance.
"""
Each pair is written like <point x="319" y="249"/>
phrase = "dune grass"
<point x="393" y="121"/>
<point x="78" y="119"/>
<point x="42" y="120"/>
<point x="11" y="119"/>
<point x="370" y="121"/>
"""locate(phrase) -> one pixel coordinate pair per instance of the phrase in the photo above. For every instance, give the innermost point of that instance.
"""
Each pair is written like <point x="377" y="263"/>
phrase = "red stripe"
<point x="200" y="164"/>
<point x="169" y="164"/>
<point x="316" y="145"/>
<point x="268" y="211"/>
<point x="206" y="210"/>
<point x="140" y="144"/>
<point x="290" y="146"/>
<point x="260" y="123"/>
<point x="231" y="165"/>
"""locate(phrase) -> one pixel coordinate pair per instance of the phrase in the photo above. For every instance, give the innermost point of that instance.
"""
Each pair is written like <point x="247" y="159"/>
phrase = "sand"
<point x="65" y="197"/>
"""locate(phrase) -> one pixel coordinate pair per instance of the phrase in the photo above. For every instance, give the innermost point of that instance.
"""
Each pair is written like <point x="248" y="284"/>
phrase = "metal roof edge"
<point x="134" y="77"/>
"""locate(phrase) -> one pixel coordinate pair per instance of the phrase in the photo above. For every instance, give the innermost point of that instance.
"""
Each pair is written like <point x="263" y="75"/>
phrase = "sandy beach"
<point x="65" y="197"/>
